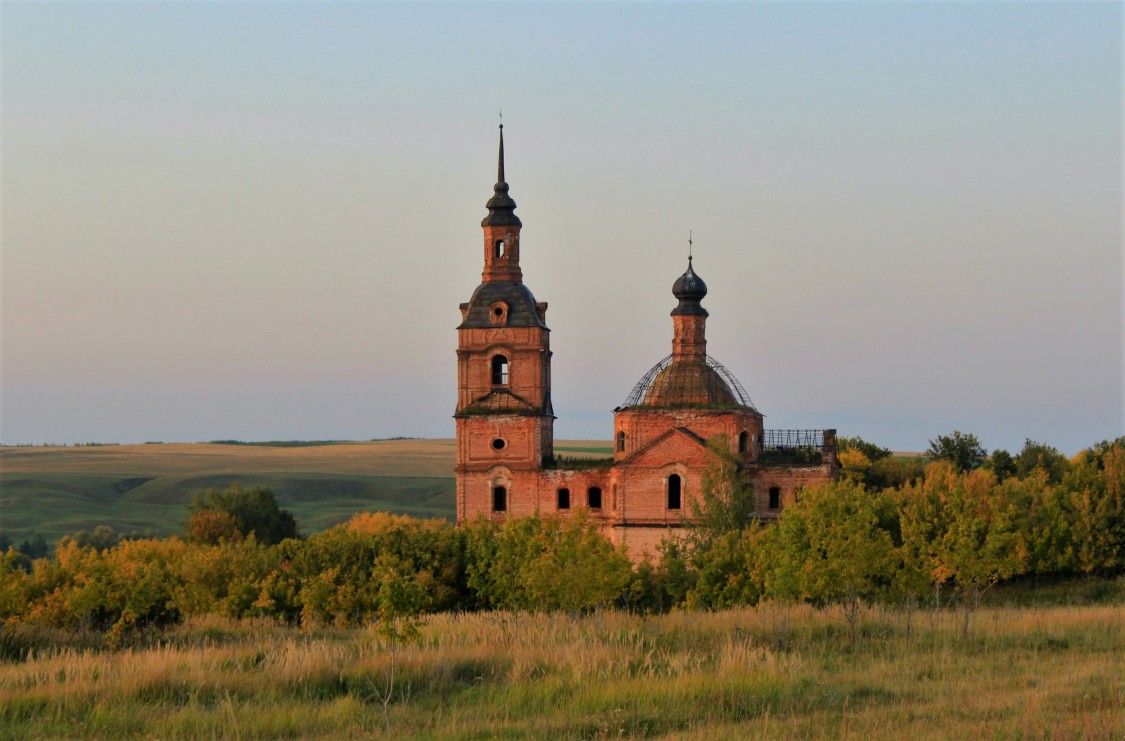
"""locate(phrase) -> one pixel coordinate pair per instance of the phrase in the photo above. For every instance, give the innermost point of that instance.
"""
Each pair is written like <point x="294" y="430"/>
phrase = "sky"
<point x="256" y="221"/>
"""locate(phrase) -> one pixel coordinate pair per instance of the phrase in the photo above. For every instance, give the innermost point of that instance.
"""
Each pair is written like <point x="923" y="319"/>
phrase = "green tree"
<point x="1002" y="464"/>
<point x="545" y="563"/>
<point x="728" y="572"/>
<point x="401" y="595"/>
<point x="1041" y="457"/>
<point x="962" y="532"/>
<point x="252" y="510"/>
<point x="1095" y="489"/>
<point x="726" y="501"/>
<point x="34" y="547"/>
<point x="964" y="451"/>
<point x="832" y="549"/>
<point x="103" y="538"/>
<point x="871" y="451"/>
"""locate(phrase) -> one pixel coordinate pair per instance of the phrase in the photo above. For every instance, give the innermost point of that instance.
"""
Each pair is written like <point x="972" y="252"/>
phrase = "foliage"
<point x="545" y="563"/>
<point x="831" y="548"/>
<point x="213" y="526"/>
<point x="34" y="547"/>
<point x="1002" y="464"/>
<point x="841" y="544"/>
<point x="252" y="511"/>
<point x="1041" y="457"/>
<point x="870" y="451"/>
<point x="893" y="473"/>
<point x="962" y="533"/>
<point x="726" y="501"/>
<point x="963" y="451"/>
<point x="103" y="538"/>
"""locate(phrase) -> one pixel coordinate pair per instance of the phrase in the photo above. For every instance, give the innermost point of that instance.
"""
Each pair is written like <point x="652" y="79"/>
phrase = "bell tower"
<point x="504" y="418"/>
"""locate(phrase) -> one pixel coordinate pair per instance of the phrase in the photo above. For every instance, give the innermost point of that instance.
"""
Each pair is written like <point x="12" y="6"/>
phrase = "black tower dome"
<point x="690" y="289"/>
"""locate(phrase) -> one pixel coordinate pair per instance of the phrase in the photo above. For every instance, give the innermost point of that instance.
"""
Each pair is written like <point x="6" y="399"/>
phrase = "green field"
<point x="146" y="488"/>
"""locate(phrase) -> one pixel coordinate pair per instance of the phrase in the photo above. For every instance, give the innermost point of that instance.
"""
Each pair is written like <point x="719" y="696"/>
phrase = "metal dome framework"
<point x="637" y="396"/>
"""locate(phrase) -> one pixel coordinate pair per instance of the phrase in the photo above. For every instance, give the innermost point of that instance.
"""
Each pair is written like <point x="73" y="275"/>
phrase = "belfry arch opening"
<point x="498" y="248"/>
<point x="499" y="370"/>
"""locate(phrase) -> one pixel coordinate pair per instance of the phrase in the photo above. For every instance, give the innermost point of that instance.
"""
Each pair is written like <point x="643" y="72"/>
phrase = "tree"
<point x="253" y="511"/>
<point x="545" y="563"/>
<point x="34" y="547"/>
<point x="1002" y="464"/>
<point x="870" y="451"/>
<point x="401" y="596"/>
<point x="1041" y="457"/>
<point x="212" y="526"/>
<point x="1095" y="490"/>
<point x="962" y="531"/>
<point x="832" y="549"/>
<point x="103" y="538"/>
<point x="963" y="451"/>
<point x="727" y="497"/>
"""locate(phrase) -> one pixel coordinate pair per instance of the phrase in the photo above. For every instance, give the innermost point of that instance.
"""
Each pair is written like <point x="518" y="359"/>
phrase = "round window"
<point x="498" y="444"/>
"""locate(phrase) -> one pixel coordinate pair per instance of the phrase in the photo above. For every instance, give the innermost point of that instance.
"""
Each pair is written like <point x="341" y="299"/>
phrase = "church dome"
<point x="690" y="289"/>
<point x="688" y="385"/>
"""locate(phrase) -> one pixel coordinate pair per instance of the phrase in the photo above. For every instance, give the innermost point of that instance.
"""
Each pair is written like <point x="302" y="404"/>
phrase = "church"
<point x="506" y="465"/>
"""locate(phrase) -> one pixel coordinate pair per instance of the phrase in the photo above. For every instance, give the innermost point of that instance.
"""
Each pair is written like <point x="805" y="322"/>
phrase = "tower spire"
<point x="500" y="165"/>
<point x="501" y="207"/>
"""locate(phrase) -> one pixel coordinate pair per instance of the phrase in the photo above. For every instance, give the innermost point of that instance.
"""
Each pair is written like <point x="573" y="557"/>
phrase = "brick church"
<point x="506" y="464"/>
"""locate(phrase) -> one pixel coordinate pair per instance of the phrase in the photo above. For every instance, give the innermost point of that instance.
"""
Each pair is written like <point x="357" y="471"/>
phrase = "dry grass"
<point x="754" y="673"/>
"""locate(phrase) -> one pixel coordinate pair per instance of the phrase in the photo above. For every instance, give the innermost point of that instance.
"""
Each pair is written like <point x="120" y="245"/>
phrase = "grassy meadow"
<point x="768" y="672"/>
<point x="58" y="490"/>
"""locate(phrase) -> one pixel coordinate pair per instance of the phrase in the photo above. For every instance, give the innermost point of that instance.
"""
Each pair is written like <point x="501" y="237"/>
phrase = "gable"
<point x="677" y="445"/>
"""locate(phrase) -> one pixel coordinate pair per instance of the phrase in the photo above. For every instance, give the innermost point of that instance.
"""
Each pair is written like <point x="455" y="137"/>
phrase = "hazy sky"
<point x="257" y="220"/>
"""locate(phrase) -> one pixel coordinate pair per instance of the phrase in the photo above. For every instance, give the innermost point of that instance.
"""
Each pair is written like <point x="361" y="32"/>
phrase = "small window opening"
<point x="564" y="498"/>
<point x="674" y="491"/>
<point x="594" y="497"/>
<point x="621" y="442"/>
<point x="499" y="499"/>
<point x="499" y="371"/>
<point x="775" y="497"/>
<point x="498" y="248"/>
<point x="498" y="444"/>
<point x="743" y="442"/>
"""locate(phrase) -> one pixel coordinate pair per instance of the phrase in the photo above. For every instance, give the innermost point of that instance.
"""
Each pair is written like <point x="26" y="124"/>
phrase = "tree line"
<point x="945" y="534"/>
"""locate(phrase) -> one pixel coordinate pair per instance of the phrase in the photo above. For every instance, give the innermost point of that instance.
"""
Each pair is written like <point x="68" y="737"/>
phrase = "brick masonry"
<point x="505" y="422"/>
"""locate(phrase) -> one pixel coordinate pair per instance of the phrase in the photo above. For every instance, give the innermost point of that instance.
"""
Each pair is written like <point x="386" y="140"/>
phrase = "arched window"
<point x="674" y="487"/>
<point x="499" y="499"/>
<point x="594" y="497"/>
<point x="564" y="498"/>
<point x="621" y="442"/>
<point x="499" y="370"/>
<point x="775" y="497"/>
<point x="498" y="248"/>
<point x="744" y="442"/>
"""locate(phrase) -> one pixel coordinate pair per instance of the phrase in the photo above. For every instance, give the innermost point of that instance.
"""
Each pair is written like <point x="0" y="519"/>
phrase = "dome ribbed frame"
<point x="641" y="390"/>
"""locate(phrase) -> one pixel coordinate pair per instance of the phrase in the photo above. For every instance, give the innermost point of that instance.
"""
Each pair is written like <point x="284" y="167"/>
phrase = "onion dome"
<point x="501" y="207"/>
<point x="690" y="289"/>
